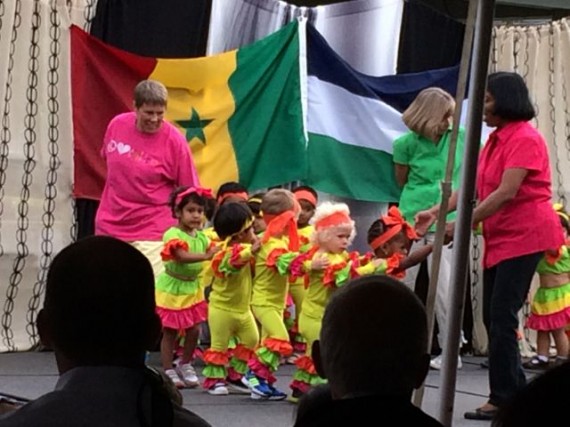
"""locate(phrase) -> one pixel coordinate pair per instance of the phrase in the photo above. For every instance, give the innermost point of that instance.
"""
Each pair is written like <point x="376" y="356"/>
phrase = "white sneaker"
<point x="173" y="376"/>
<point x="436" y="362"/>
<point x="218" y="389"/>
<point x="188" y="375"/>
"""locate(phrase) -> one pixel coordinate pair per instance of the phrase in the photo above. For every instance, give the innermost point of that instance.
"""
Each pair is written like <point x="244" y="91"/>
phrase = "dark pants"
<point x="505" y="287"/>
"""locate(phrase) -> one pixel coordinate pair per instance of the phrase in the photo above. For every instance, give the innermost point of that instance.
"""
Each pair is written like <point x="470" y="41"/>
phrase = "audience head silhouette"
<point x="373" y="339"/>
<point x="543" y="401"/>
<point x="99" y="305"/>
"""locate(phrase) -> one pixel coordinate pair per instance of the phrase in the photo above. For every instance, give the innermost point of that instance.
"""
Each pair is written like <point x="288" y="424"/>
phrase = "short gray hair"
<point x="150" y="92"/>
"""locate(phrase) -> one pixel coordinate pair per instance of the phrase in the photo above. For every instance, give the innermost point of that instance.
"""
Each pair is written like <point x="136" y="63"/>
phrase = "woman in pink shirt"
<point x="515" y="209"/>
<point x="146" y="159"/>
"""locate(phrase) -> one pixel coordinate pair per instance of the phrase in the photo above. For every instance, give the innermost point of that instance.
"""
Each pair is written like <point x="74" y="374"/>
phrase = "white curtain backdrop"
<point x="363" y="32"/>
<point x="541" y="54"/>
<point x="36" y="149"/>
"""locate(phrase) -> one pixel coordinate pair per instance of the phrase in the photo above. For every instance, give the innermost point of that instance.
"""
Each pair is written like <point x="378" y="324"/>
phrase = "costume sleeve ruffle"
<point x="230" y="261"/>
<point x="280" y="260"/>
<point x="167" y="253"/>
<point x="393" y="266"/>
<point x="552" y="257"/>
<point x="337" y="274"/>
<point x="240" y="255"/>
<point x="300" y="265"/>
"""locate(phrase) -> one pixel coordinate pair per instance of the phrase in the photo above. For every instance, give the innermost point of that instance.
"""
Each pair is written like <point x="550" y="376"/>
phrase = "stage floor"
<point x="31" y="374"/>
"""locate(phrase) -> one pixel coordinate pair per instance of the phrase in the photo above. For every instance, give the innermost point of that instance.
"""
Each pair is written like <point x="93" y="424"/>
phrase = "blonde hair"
<point x="323" y="235"/>
<point x="430" y="114"/>
<point x="277" y="201"/>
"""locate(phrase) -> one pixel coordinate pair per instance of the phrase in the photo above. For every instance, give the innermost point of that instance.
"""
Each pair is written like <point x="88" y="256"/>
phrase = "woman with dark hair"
<point x="519" y="225"/>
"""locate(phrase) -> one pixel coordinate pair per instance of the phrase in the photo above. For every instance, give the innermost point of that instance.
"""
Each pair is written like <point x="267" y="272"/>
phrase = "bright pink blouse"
<point x="142" y="170"/>
<point x="528" y="223"/>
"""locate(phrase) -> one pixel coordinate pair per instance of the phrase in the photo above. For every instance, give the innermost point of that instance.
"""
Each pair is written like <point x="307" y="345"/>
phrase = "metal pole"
<point x="465" y="204"/>
<point x="446" y="184"/>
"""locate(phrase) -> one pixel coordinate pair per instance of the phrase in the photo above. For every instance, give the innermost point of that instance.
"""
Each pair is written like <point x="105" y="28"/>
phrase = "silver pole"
<point x="465" y="204"/>
<point x="447" y="182"/>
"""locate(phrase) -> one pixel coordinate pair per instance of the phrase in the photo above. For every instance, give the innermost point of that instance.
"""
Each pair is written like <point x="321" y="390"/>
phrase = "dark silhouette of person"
<point x="99" y="318"/>
<point x="373" y="351"/>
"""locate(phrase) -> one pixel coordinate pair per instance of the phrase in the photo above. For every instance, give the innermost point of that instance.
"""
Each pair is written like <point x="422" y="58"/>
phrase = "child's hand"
<point x="255" y="246"/>
<point x="423" y="221"/>
<point x="376" y="262"/>
<point x="320" y="263"/>
<point x="212" y="251"/>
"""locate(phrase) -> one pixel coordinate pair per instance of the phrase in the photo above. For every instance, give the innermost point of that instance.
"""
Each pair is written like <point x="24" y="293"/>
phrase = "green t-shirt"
<point x="427" y="162"/>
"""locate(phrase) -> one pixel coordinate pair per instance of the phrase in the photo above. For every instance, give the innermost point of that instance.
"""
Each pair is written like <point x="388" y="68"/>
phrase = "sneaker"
<point x="436" y="362"/>
<point x="258" y="387"/>
<point x="218" y="389"/>
<point x="296" y="394"/>
<point x="173" y="376"/>
<point x="188" y="375"/>
<point x="238" y="386"/>
<point x="276" y="394"/>
<point x="536" y="363"/>
<point x="293" y="358"/>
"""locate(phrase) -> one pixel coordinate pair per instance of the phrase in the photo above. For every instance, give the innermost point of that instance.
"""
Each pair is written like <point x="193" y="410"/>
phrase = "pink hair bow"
<point x="204" y="192"/>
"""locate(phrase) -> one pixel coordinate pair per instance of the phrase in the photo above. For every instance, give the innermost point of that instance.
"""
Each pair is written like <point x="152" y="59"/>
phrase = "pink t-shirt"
<point x="528" y="223"/>
<point x="142" y="170"/>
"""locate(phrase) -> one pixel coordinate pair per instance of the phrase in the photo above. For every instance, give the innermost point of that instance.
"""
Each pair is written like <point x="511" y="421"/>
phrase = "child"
<point x="229" y="312"/>
<point x="307" y="198"/>
<point x="328" y="266"/>
<point x="391" y="237"/>
<point x="550" y="308"/>
<point x="231" y="192"/>
<point x="254" y="203"/>
<point x="179" y="298"/>
<point x="279" y="246"/>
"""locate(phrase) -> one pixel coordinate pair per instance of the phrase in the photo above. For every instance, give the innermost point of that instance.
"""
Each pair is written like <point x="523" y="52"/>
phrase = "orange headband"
<point x="306" y="195"/>
<point x="395" y="223"/>
<point x="277" y="223"/>
<point x="240" y="194"/>
<point x="334" y="219"/>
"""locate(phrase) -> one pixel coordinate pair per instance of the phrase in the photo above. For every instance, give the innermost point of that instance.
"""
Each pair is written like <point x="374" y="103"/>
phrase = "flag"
<point x="353" y="119"/>
<point x="240" y="111"/>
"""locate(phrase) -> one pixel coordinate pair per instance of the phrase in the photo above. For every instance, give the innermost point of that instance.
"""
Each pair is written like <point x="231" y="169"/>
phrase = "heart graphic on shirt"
<point x="123" y="148"/>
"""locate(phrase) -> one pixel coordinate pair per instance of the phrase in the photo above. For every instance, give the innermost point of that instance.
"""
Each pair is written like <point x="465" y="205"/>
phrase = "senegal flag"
<point x="240" y="111"/>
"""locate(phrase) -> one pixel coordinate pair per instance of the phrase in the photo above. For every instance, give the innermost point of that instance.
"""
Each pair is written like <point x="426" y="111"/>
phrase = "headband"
<point x="559" y="209"/>
<point x="204" y="192"/>
<point x="332" y="220"/>
<point x="245" y="226"/>
<point x="276" y="224"/>
<point x="395" y="223"/>
<point x="305" y="195"/>
<point x="239" y="194"/>
<point x="254" y="200"/>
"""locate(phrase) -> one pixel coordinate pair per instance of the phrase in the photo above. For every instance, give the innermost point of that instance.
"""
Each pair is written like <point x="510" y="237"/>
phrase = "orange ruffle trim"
<point x="305" y="363"/>
<point x="167" y="253"/>
<point x="242" y="353"/>
<point x="393" y="268"/>
<point x="552" y="257"/>
<point x="284" y="348"/>
<point x="217" y="358"/>
<point x="271" y="260"/>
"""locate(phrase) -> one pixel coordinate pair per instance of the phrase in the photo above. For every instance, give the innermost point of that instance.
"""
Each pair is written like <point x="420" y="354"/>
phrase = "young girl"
<point x="391" y="237"/>
<point x="254" y="203"/>
<point x="229" y="312"/>
<point x="550" y="309"/>
<point x="179" y="298"/>
<point x="328" y="266"/>
<point x="279" y="246"/>
<point x="307" y="198"/>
